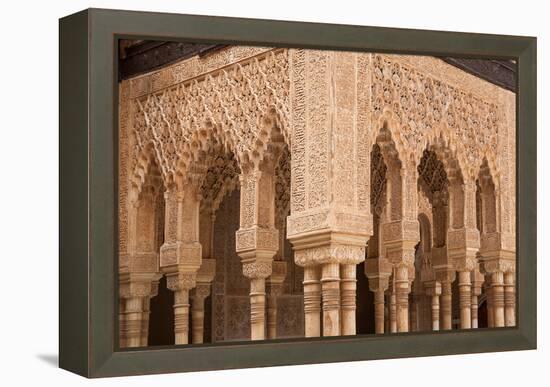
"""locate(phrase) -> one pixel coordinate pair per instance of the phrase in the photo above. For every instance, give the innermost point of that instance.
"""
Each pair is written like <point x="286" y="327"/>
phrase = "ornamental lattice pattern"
<point x="232" y="106"/>
<point x="429" y="110"/>
<point x="297" y="152"/>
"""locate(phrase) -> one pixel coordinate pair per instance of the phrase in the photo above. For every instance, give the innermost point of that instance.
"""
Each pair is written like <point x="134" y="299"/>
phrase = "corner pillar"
<point x="402" y="290"/>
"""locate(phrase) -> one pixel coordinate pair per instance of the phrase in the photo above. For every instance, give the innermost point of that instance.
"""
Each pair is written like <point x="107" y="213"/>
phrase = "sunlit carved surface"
<point x="257" y="180"/>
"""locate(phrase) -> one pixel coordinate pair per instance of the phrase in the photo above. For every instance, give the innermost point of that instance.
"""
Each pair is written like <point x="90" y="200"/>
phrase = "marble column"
<point x="465" y="298"/>
<point x="348" y="288"/>
<point x="477" y="283"/>
<point x="402" y="290"/>
<point x="379" y="311"/>
<point x="378" y="272"/>
<point x="181" y="284"/>
<point x="509" y="298"/>
<point x="413" y="312"/>
<point x="312" y="300"/>
<point x="205" y="276"/>
<point x="133" y="316"/>
<point x="393" y="309"/>
<point x="446" y="308"/>
<point x="257" y="272"/>
<point x="275" y="289"/>
<point x="257" y="240"/>
<point x="136" y="290"/>
<point x="446" y="276"/>
<point x="489" y="301"/>
<point x="433" y="290"/>
<point x="198" y="295"/>
<point x="181" y="253"/>
<point x="145" y="321"/>
<point x="330" y="289"/>
<point x="497" y="288"/>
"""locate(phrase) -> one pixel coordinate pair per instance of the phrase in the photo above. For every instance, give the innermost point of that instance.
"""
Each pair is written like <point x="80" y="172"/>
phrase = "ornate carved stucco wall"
<point x="330" y="108"/>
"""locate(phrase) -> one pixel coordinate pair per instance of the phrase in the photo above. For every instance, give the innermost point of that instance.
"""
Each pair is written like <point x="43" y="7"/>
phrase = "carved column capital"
<point x="207" y="271"/>
<point x="432" y="288"/>
<point x="181" y="281"/>
<point x="278" y="273"/>
<point x="201" y="290"/>
<point x="257" y="269"/>
<point x="378" y="271"/>
<point x="477" y="279"/>
<point x="445" y="275"/>
<point x="138" y="284"/>
<point x="500" y="261"/>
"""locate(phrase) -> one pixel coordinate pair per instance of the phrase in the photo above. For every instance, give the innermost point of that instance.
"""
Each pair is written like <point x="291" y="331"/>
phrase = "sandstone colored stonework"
<point x="259" y="178"/>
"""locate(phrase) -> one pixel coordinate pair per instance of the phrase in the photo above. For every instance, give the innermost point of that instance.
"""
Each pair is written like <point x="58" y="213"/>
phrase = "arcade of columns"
<point x="405" y="163"/>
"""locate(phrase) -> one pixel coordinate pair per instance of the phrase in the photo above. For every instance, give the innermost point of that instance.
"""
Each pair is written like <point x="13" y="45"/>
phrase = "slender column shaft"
<point x="275" y="289"/>
<point x="402" y="299"/>
<point x="489" y="303"/>
<point x="509" y="299"/>
<point x="435" y="312"/>
<point x="379" y="311"/>
<point x="348" y="289"/>
<point x="181" y="316"/>
<point x="497" y="279"/>
<point x="387" y="314"/>
<point x="330" y="285"/>
<point x="134" y="311"/>
<point x="271" y="317"/>
<point x="197" y="317"/>
<point x="465" y="300"/>
<point x="474" y="311"/>
<point x="446" y="306"/>
<point x="312" y="301"/>
<point x="257" y="308"/>
<point x="393" y="312"/>
<point x="413" y="315"/>
<point x="145" y="321"/>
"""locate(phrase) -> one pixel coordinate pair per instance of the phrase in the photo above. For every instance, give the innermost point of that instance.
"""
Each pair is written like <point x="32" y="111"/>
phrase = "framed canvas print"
<point x="243" y="193"/>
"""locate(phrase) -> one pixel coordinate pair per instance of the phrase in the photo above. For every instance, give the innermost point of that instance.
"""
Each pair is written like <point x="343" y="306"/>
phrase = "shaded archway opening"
<point x="161" y="320"/>
<point x="364" y="314"/>
<point x="482" y="320"/>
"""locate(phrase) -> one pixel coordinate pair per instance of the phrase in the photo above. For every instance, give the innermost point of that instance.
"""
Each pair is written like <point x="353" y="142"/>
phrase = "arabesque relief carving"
<point x="257" y="179"/>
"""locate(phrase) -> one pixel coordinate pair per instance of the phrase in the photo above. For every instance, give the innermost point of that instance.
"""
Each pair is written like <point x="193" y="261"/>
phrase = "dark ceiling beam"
<point x="139" y="57"/>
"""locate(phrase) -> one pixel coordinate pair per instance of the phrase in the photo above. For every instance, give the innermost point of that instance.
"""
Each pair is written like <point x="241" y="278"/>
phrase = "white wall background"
<point x="29" y="192"/>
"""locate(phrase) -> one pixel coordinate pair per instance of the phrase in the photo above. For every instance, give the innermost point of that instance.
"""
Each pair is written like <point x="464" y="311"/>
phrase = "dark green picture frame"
<point x="88" y="192"/>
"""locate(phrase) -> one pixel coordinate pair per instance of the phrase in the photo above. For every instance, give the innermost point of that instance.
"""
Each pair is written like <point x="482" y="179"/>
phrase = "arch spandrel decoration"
<point x="234" y="106"/>
<point x="423" y="108"/>
<point x="237" y="117"/>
